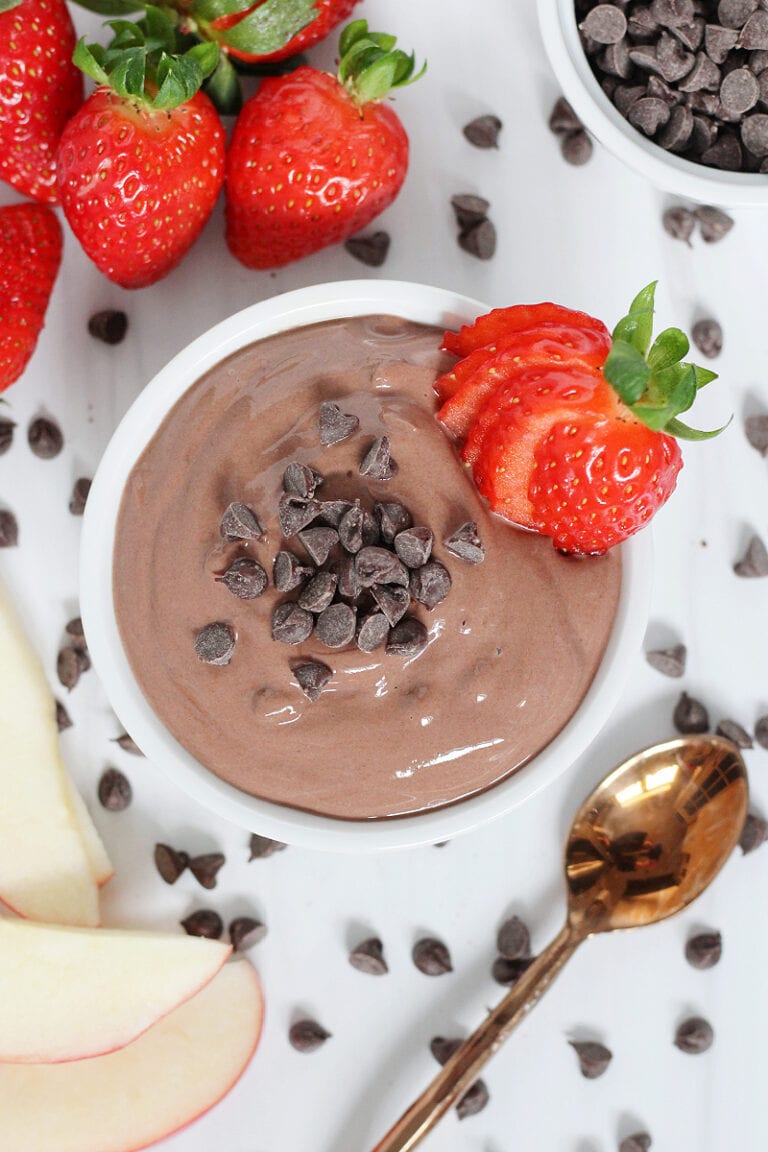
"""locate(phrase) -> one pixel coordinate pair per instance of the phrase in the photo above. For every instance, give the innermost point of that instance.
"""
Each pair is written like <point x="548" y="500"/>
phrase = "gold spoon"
<point x="643" y="845"/>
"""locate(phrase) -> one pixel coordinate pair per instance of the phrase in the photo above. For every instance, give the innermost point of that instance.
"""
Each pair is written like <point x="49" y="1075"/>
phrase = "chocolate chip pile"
<point x="692" y="75"/>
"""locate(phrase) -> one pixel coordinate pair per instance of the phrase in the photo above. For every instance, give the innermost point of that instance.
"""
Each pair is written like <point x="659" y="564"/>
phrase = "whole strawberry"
<point x="141" y="164"/>
<point x="314" y="157"/>
<point x="30" y="254"/>
<point x="40" y="88"/>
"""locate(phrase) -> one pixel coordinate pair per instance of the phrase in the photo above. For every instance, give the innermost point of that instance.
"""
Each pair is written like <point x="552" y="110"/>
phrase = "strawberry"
<point x="501" y="322"/>
<point x="141" y="164"/>
<point x="314" y="157"/>
<point x="40" y="88"/>
<point x="30" y="254"/>
<point x="234" y="31"/>
<point x="582" y="450"/>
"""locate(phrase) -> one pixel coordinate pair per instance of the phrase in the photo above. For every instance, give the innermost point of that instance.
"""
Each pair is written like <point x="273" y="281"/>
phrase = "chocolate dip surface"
<point x="512" y="649"/>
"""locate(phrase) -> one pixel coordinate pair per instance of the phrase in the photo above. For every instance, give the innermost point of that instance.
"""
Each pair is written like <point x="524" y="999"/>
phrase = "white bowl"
<point x="297" y="309"/>
<point x="559" y="30"/>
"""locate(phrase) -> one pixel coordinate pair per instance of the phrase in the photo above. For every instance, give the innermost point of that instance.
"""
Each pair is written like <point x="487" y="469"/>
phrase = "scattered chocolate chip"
<point x="299" y="480"/>
<point x="114" y="790"/>
<point x="245" y="932"/>
<point x="336" y="425"/>
<point x="377" y="461"/>
<point x="9" y="529"/>
<point x="332" y="511"/>
<point x="508" y="972"/>
<point x="443" y="1048"/>
<point x="407" y="639"/>
<point x="754" y="132"/>
<point x="369" y="250"/>
<point x="469" y="209"/>
<point x="239" y="523"/>
<point x="63" y="719"/>
<point x="393" y="518"/>
<point x="734" y="732"/>
<point x="351" y="529"/>
<point x="127" y="744"/>
<point x="761" y="731"/>
<point x="45" y="438"/>
<point x="513" y="939"/>
<point x="431" y="957"/>
<point x="576" y="148"/>
<point x="319" y="592"/>
<point x="694" y="1036"/>
<point x="704" y="950"/>
<point x="473" y="1101"/>
<point x="414" y="546"/>
<point x="376" y="565"/>
<point x="594" y="1058"/>
<point x="319" y="542"/>
<point x="754" y="562"/>
<point x="110" y="326"/>
<point x="735" y="13"/>
<point x="714" y="225"/>
<point x="295" y="513"/>
<point x="215" y="644"/>
<point x="204" y="923"/>
<point x="206" y="868"/>
<point x="479" y="240"/>
<point x="483" y="131"/>
<point x="605" y="24"/>
<point x="245" y="578"/>
<point x="430" y="584"/>
<point x="349" y="586"/>
<point x="288" y="572"/>
<point x="312" y="676"/>
<point x="170" y="863"/>
<point x="637" y="1142"/>
<point x="372" y="632"/>
<point x="393" y="600"/>
<point x="79" y="496"/>
<point x="690" y="716"/>
<point x="668" y="661"/>
<point x="368" y="957"/>
<point x="68" y="667"/>
<point x="754" y="833"/>
<point x="563" y="119"/>
<point x="74" y="629"/>
<point x="291" y="624"/>
<point x="262" y="846"/>
<point x="707" y="335"/>
<point x="336" y="626"/>
<point x="6" y="435"/>
<point x="307" y="1035"/>
<point x="466" y="544"/>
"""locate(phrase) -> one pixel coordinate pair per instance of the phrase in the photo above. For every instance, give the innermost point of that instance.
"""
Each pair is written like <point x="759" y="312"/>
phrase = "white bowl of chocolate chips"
<point x="677" y="89"/>
<point x="300" y="607"/>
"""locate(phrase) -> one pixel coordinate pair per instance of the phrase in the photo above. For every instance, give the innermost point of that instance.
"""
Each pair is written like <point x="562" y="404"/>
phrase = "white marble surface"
<point x="588" y="237"/>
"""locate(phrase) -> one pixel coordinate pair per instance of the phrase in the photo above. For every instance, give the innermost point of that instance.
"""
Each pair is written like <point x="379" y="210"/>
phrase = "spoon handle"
<point x="463" y="1068"/>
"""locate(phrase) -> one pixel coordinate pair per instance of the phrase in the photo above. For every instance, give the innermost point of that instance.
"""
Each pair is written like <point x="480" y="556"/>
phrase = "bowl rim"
<point x="559" y="30"/>
<point x="417" y="302"/>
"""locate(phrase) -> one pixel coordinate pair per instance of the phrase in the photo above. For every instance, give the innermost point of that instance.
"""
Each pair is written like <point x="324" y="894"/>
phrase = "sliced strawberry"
<point x="502" y="322"/>
<point x="30" y="254"/>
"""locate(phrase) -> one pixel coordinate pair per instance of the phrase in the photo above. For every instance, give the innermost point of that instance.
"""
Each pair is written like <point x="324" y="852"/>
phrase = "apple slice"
<point x="70" y="993"/>
<point x="45" y="873"/>
<point x="129" y="1099"/>
<point x="100" y="863"/>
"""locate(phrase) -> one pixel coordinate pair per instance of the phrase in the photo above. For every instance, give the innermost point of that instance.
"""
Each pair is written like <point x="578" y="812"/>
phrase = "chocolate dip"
<point x="512" y="649"/>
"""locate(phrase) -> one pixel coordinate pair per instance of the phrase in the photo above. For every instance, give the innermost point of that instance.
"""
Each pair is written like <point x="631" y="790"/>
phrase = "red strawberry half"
<point x="30" y="254"/>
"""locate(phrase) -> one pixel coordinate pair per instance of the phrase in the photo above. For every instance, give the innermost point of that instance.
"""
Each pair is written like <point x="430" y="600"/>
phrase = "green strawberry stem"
<point x="370" y="66"/>
<point x="651" y="378"/>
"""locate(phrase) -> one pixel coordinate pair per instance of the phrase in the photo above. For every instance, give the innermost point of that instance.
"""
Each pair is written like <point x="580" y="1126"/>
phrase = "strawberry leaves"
<point x="652" y="379"/>
<point x="370" y="66"/>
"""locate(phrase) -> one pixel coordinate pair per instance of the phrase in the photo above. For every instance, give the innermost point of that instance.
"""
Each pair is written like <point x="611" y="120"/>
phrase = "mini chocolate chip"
<point x="576" y="148"/>
<point x="761" y="731"/>
<point x="563" y="119"/>
<point x="508" y="972"/>
<point x="312" y="676"/>
<point x="673" y="13"/>
<point x="637" y="1142"/>
<point x="678" y="132"/>
<point x="74" y="629"/>
<point x="594" y="1058"/>
<point x="735" y="13"/>
<point x="703" y="77"/>
<point x="205" y="868"/>
<point x="45" y="438"/>
<point x="615" y="60"/>
<point x="6" y="435"/>
<point x="63" y="719"/>
<point x="754" y="562"/>
<point x="466" y="544"/>
<point x="714" y="225"/>
<point x="299" y="480"/>
<point x="336" y="626"/>
<point x="239" y="522"/>
<point x="377" y="461"/>
<point x="170" y="863"/>
<point x="110" y="326"/>
<point x="407" y="639"/>
<point x="288" y="572"/>
<point x="430" y="584"/>
<point x="307" y="1035"/>
<point x="479" y="240"/>
<point x="754" y="34"/>
<point x="368" y="957"/>
<point x="332" y="511"/>
<point x="739" y="91"/>
<point x="215" y="644"/>
<point x="319" y="592"/>
<point x="473" y="1101"/>
<point x="431" y="957"/>
<point x="375" y="565"/>
<point x="114" y="790"/>
<point x="370" y="250"/>
<point x="83" y="659"/>
<point x="319" y="542"/>
<point x="679" y="223"/>
<point x="704" y="950"/>
<point x="205" y="923"/>
<point x="668" y="661"/>
<point x="483" y="131"/>
<point x="754" y="133"/>
<point x="694" y="1036"/>
<point x="245" y="578"/>
<point x="690" y="717"/>
<point x="605" y="24"/>
<point x="262" y="846"/>
<point x="295" y="513"/>
<point x="128" y="744"/>
<point x="393" y="600"/>
<point x="351" y="529"/>
<point x="68" y="667"/>
<point x="349" y="586"/>
<point x="758" y="61"/>
<point x="336" y="425"/>
<point x="754" y="833"/>
<point x="734" y="732"/>
<point x="442" y="1048"/>
<point x="393" y="518"/>
<point x="79" y="496"/>
<point x="469" y="209"/>
<point x="642" y="24"/>
<point x="513" y="939"/>
<point x="649" y="115"/>
<point x="245" y="932"/>
<point x="725" y="153"/>
<point x="625" y="95"/>
<point x="9" y="529"/>
<point x="371" y="534"/>
<point x="372" y="632"/>
<point x="414" y="546"/>
<point x="291" y="624"/>
<point x="719" y="41"/>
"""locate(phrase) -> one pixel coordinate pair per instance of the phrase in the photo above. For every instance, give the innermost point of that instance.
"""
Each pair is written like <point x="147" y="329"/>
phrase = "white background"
<point x="587" y="237"/>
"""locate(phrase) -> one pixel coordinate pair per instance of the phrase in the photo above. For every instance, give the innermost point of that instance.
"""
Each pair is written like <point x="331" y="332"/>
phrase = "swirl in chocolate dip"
<point x="511" y="648"/>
